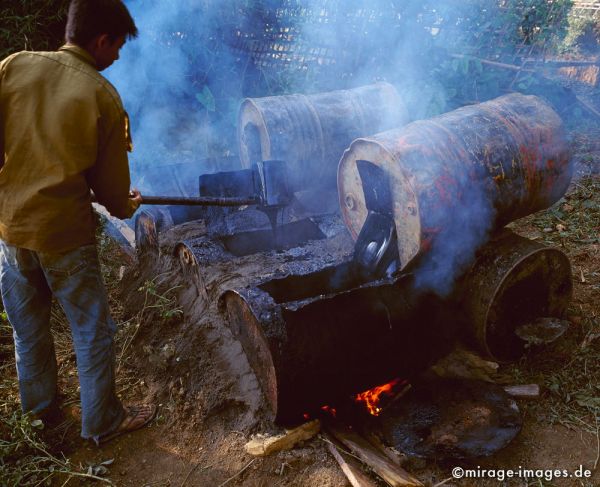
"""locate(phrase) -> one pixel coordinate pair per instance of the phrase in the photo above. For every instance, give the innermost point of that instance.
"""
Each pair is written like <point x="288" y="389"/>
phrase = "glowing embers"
<point x="372" y="397"/>
<point x="329" y="410"/>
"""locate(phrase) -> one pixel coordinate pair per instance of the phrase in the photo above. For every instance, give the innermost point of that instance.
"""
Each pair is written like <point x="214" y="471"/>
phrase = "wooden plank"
<point x="263" y="446"/>
<point x="377" y="461"/>
<point x="119" y="231"/>
<point x="350" y="468"/>
<point x="376" y="442"/>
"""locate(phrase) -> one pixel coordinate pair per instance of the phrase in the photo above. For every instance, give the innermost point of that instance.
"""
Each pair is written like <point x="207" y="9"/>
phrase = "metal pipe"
<point x="198" y="201"/>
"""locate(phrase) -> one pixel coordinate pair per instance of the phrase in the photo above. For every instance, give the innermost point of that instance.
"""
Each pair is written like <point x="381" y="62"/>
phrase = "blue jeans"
<point x="28" y="280"/>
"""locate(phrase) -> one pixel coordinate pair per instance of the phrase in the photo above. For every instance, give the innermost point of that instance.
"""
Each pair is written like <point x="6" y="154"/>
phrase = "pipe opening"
<point x="327" y="281"/>
<point x="522" y="301"/>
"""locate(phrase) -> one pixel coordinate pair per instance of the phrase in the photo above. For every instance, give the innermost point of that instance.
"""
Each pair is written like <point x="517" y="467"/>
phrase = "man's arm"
<point x="109" y="177"/>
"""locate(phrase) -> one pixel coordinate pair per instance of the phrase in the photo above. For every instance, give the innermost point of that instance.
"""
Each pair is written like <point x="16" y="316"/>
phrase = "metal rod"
<point x="198" y="201"/>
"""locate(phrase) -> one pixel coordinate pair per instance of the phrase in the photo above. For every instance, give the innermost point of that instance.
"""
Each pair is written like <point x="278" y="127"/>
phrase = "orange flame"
<point x="372" y="396"/>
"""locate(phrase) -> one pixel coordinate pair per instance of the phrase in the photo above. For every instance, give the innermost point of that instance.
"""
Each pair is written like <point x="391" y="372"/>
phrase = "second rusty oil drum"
<point x="512" y="282"/>
<point x="498" y="161"/>
<point x="310" y="132"/>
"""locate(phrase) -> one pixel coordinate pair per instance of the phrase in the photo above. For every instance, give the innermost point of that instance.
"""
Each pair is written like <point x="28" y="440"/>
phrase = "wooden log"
<point x="350" y="468"/>
<point x="261" y="447"/>
<point x="523" y="391"/>
<point x="390" y="472"/>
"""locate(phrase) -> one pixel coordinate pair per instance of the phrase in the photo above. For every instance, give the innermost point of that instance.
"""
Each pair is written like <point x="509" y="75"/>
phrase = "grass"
<point x="31" y="25"/>
<point x="570" y="371"/>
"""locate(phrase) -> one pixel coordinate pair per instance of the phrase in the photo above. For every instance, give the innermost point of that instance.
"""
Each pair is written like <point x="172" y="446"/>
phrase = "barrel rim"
<point x="270" y="372"/>
<point x="407" y="252"/>
<point x="482" y="332"/>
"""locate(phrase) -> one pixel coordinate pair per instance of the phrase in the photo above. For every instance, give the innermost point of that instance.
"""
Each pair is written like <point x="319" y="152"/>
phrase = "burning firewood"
<point x="263" y="446"/>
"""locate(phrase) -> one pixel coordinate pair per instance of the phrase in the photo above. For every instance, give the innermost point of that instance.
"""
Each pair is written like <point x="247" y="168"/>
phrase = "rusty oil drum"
<point x="310" y="132"/>
<point x="509" y="155"/>
<point x="513" y="281"/>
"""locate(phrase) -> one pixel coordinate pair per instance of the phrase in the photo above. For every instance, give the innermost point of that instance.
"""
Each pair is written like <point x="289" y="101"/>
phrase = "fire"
<point x="372" y="396"/>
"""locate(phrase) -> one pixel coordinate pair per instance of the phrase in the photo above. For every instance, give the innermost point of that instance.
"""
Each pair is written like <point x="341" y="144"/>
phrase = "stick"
<point x="189" y="473"/>
<point x="239" y="473"/>
<point x="353" y="474"/>
<point x="193" y="469"/>
<point x="588" y="107"/>
<point x="597" y="444"/>
<point x="560" y="64"/>
<point x="495" y="64"/>
<point x="378" y="462"/>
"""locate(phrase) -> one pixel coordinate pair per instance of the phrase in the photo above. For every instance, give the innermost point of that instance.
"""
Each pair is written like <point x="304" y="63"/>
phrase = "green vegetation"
<point x="570" y="371"/>
<point x="31" y="25"/>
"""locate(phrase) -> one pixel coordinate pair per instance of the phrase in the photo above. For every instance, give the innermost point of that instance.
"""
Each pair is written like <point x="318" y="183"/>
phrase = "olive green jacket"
<point x="63" y="131"/>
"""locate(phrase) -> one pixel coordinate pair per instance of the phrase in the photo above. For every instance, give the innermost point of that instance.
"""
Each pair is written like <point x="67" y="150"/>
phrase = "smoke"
<point x="464" y="228"/>
<point x="182" y="80"/>
<point x="168" y="78"/>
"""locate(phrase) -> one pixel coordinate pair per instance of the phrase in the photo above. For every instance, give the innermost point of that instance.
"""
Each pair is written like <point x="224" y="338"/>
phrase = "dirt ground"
<point x="210" y="403"/>
<point x="179" y="355"/>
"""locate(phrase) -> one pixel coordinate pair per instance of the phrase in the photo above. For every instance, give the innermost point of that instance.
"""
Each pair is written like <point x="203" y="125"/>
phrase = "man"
<point x="63" y="131"/>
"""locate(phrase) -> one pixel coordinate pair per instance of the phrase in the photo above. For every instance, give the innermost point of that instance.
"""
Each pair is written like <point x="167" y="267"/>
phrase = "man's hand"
<point x="136" y="198"/>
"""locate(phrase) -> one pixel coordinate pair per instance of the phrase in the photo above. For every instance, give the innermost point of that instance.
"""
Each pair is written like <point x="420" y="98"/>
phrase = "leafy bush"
<point x="31" y="25"/>
<point x="583" y="34"/>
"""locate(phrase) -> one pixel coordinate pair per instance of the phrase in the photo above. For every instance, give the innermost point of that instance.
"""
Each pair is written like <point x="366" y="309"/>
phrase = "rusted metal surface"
<point x="450" y="419"/>
<point x="321" y="334"/>
<point x="514" y="281"/>
<point x="315" y="339"/>
<point x="310" y="132"/>
<point x="498" y="160"/>
<point x="242" y="250"/>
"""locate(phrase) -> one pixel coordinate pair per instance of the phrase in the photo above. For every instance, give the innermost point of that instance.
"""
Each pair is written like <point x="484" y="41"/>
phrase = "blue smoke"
<point x="182" y="80"/>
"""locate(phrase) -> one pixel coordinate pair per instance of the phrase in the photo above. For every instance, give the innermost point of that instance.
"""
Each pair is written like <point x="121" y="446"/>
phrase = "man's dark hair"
<point x="90" y="18"/>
